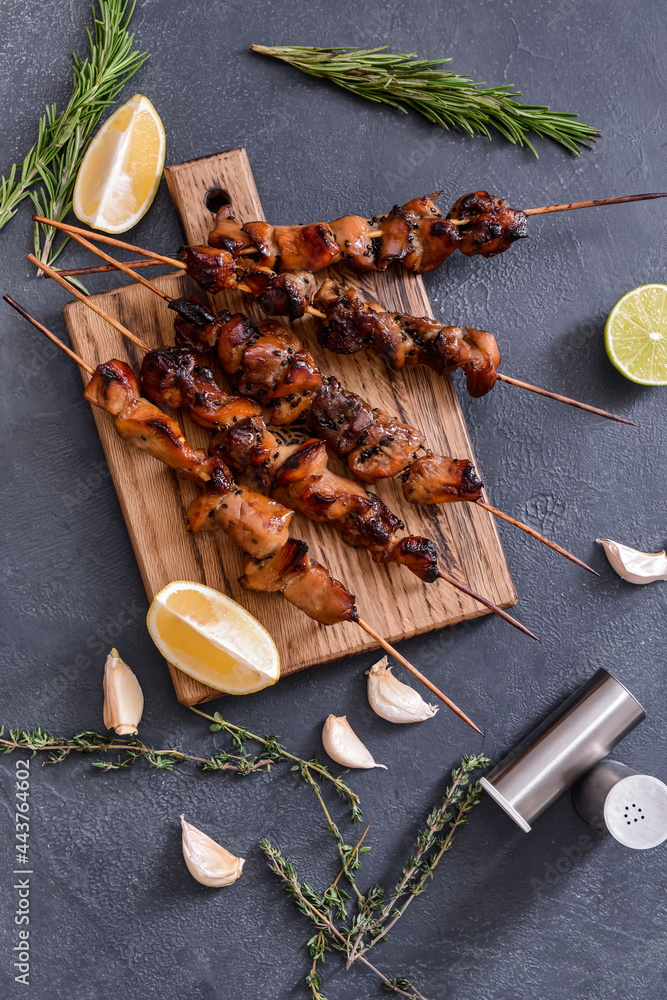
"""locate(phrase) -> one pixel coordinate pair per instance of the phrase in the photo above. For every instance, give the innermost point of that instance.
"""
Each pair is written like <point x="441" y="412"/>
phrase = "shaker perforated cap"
<point x="632" y="807"/>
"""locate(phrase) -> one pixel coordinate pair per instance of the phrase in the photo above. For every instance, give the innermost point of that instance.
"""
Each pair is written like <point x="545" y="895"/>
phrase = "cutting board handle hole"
<point x="215" y="198"/>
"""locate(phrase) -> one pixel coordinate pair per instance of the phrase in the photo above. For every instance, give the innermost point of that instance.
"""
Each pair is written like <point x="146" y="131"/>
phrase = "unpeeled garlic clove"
<point x="393" y="700"/>
<point x="634" y="566"/>
<point x="207" y="861"/>
<point x="344" y="746"/>
<point x="123" y="697"/>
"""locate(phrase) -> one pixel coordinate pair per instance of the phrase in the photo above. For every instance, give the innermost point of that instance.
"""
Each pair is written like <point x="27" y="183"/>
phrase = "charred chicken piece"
<point x="212" y="269"/>
<point x="114" y="388"/>
<point x="287" y="294"/>
<point x="352" y="324"/>
<point x="356" y="246"/>
<point x="303" y="582"/>
<point x="271" y="365"/>
<point x="437" y="479"/>
<point x="227" y="233"/>
<point x="260" y="526"/>
<point x="373" y="444"/>
<point x="417" y="235"/>
<point x="304" y="483"/>
<point x="196" y="328"/>
<point x="490" y="225"/>
<point x="481" y="370"/>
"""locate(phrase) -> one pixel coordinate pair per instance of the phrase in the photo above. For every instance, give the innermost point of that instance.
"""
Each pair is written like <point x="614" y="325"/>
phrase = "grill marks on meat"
<point x="416" y="234"/>
<point x="373" y="444"/>
<point x="303" y="582"/>
<point x="437" y="479"/>
<point x="259" y="525"/>
<point x="256" y="523"/>
<point x="353" y="324"/>
<point x="114" y="388"/>
<point x="490" y="225"/>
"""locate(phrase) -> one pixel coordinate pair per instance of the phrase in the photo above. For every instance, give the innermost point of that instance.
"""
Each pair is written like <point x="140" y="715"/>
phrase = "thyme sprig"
<point x="48" y="172"/>
<point x="352" y="935"/>
<point x="275" y="751"/>
<point x="377" y="912"/>
<point x="450" y="100"/>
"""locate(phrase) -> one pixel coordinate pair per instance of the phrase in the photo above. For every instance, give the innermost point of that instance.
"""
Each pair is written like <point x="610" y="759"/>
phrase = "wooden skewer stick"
<point x="110" y="260"/>
<point x="535" y="534"/>
<point x="144" y="347"/>
<point x="363" y="624"/>
<point x="417" y="673"/>
<point x="565" y="399"/>
<point x="47" y="333"/>
<point x="592" y="204"/>
<point x="86" y="300"/>
<point x="103" y="238"/>
<point x="71" y="272"/>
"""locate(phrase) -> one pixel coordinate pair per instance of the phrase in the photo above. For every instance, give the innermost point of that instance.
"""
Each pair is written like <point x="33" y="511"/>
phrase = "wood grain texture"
<point x="154" y="500"/>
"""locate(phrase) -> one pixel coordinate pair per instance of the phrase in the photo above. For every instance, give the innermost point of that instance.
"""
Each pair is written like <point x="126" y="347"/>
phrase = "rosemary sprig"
<point x="376" y="915"/>
<point x="53" y="162"/>
<point x="450" y="100"/>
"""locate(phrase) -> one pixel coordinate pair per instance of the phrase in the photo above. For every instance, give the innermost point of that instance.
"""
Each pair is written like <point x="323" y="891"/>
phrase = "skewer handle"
<point x="418" y="674"/>
<point x="87" y="301"/>
<point x="102" y="238"/>
<point x="47" y="333"/>
<point x="565" y="399"/>
<point x="71" y="272"/>
<point x="535" y="534"/>
<point x="546" y="209"/>
<point x="121" y="266"/>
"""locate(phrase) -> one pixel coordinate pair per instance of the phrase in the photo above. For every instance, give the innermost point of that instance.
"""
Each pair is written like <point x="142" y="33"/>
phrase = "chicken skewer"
<point x="284" y="566"/>
<point x="287" y="294"/>
<point x="365" y="521"/>
<point x="433" y="479"/>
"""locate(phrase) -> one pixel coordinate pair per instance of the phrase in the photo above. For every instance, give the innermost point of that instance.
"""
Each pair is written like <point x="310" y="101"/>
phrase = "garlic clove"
<point x="207" y="861"/>
<point x="634" y="566"/>
<point x="344" y="746"/>
<point x="393" y="700"/>
<point x="123" y="697"/>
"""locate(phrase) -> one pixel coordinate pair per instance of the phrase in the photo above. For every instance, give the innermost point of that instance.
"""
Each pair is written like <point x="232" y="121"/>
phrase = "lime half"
<point x="635" y="335"/>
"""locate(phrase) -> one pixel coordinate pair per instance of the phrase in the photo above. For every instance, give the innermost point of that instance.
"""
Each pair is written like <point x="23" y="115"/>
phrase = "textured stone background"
<point x="113" y="905"/>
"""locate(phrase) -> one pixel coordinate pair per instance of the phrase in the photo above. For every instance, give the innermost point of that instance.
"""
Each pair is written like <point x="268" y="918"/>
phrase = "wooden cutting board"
<point x="154" y="500"/>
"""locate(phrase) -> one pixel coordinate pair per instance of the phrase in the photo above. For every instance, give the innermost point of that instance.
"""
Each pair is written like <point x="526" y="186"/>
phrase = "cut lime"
<point x="635" y="335"/>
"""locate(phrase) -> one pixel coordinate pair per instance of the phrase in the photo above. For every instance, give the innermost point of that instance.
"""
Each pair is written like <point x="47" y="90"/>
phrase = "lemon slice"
<point x="212" y="638"/>
<point x="121" y="170"/>
<point x="635" y="335"/>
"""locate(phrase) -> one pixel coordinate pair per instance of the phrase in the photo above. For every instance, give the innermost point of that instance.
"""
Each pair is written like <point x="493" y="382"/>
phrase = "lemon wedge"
<point x="635" y="335"/>
<point x="212" y="638"/>
<point x="121" y="170"/>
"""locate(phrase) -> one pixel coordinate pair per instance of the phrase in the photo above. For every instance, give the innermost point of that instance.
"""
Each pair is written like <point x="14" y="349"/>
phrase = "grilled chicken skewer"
<point x="277" y="564"/>
<point x="416" y="234"/>
<point x="361" y="518"/>
<point x="291" y="294"/>
<point x="432" y="479"/>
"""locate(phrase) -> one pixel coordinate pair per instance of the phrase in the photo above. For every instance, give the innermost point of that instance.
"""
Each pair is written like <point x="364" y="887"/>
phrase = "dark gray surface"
<point x="113" y="905"/>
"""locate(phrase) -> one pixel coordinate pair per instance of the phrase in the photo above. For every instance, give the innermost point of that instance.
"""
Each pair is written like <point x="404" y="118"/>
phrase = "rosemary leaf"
<point x="447" y="99"/>
<point x="53" y="162"/>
